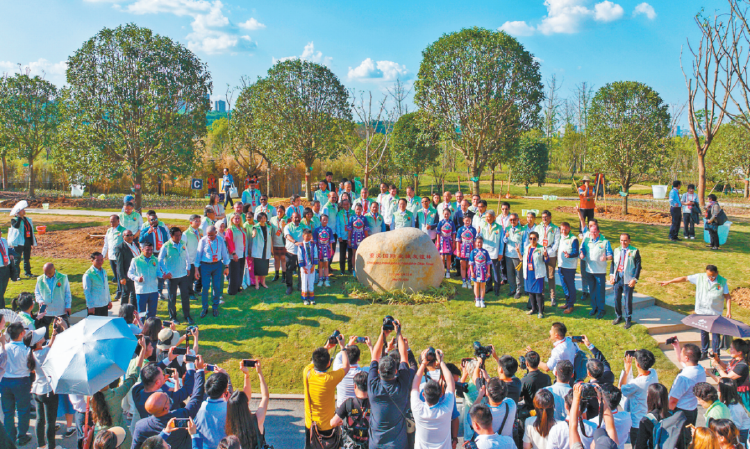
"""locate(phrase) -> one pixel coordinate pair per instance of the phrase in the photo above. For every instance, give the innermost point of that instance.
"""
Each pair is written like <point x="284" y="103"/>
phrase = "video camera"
<point x="483" y="352"/>
<point x="431" y="355"/>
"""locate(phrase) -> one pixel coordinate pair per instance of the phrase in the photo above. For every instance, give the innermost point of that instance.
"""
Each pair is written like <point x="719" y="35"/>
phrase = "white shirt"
<point x="634" y="395"/>
<point x="532" y="436"/>
<point x="563" y="350"/>
<point x="693" y="279"/>
<point x="506" y="408"/>
<point x="17" y="354"/>
<point x="682" y="388"/>
<point x="740" y="416"/>
<point x="494" y="442"/>
<point x="559" y="435"/>
<point x="433" y="423"/>
<point x="622" y="426"/>
<point x="345" y="388"/>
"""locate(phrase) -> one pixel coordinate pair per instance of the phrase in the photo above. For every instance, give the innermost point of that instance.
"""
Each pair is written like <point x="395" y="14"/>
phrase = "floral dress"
<point x="465" y="241"/>
<point x="322" y="237"/>
<point x="356" y="227"/>
<point x="481" y="265"/>
<point x="445" y="237"/>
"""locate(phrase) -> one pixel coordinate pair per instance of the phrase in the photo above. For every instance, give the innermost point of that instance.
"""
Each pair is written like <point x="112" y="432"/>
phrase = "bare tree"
<point x="551" y="107"/>
<point x="583" y="92"/>
<point x="399" y="94"/>
<point x="709" y="84"/>
<point x="368" y="142"/>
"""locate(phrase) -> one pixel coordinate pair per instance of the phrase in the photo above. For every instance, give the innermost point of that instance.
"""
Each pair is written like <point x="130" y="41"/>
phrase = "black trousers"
<point x="191" y="278"/>
<point x="537" y="302"/>
<point x="4" y="278"/>
<point x="588" y="215"/>
<point x="334" y="241"/>
<point x="692" y="417"/>
<point x="623" y="309"/>
<point x="128" y="293"/>
<point x="688" y="225"/>
<point x="227" y="199"/>
<point x="345" y="253"/>
<point x="674" y="229"/>
<point x="24" y="251"/>
<point x="236" y="270"/>
<point x="291" y="268"/>
<point x="46" y="415"/>
<point x="100" y="311"/>
<point x="307" y="436"/>
<point x="713" y="235"/>
<point x="113" y="265"/>
<point x="495" y="277"/>
<point x="184" y="283"/>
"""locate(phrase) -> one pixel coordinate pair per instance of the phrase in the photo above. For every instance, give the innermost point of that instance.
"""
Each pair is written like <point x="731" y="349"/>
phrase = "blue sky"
<point x="369" y="44"/>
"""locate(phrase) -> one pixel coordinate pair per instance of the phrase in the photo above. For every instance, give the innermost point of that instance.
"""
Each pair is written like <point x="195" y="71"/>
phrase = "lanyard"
<point x="210" y="250"/>
<point x="3" y="252"/>
<point x="134" y="249"/>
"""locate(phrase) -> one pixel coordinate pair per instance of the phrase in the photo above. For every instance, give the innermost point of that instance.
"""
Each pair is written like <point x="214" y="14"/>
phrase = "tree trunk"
<point x="492" y="182"/>
<point x="268" y="180"/>
<point x="702" y="179"/>
<point x="625" y="205"/>
<point x="747" y="188"/>
<point x="5" y="174"/>
<point x="475" y="175"/>
<point x="367" y="179"/>
<point x="416" y="185"/>
<point x="138" y="189"/>
<point x="31" y="177"/>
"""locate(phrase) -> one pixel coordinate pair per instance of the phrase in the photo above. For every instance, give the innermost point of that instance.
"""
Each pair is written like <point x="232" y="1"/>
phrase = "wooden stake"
<point x="459" y="183"/>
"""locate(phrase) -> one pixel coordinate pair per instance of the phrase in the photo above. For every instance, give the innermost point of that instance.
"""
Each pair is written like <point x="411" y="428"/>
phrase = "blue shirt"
<point x="559" y="390"/>
<point x="227" y="181"/>
<point x="674" y="198"/>
<point x="211" y="421"/>
<point x="208" y="249"/>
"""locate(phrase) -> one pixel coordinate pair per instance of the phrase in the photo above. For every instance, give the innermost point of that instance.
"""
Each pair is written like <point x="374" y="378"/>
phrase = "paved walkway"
<point x="91" y="213"/>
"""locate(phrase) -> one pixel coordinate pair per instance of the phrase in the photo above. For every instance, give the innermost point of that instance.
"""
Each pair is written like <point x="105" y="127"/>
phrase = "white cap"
<point x="38" y="336"/>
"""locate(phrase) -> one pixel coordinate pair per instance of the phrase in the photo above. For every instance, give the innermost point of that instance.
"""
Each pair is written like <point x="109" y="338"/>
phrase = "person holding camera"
<point x="563" y="347"/>
<point x="354" y="414"/>
<point x="162" y="416"/>
<point x="711" y="291"/>
<point x="433" y="416"/>
<point x="388" y="385"/>
<point x="506" y="372"/>
<point x="211" y="418"/>
<point x="242" y="423"/>
<point x="485" y="437"/>
<point x="345" y="389"/>
<point x="320" y="390"/>
<point x="622" y="420"/>
<point x="564" y="374"/>
<point x="681" y="396"/>
<point x="635" y="384"/>
<point x="566" y="433"/>
<point x="533" y="381"/>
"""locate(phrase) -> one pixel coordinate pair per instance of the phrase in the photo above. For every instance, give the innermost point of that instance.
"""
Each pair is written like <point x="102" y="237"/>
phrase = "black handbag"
<point x="317" y="439"/>
<point x="15" y="272"/>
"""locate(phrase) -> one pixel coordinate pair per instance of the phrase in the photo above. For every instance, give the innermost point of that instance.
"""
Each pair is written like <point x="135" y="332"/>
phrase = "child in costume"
<point x="307" y="254"/>
<point x="323" y="237"/>
<point x="357" y="228"/>
<point x="446" y="235"/>
<point x="465" y="237"/>
<point x="481" y="270"/>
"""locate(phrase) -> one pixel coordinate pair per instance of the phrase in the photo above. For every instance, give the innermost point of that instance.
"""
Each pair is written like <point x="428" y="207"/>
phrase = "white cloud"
<point x="607" y="11"/>
<point x="53" y="72"/>
<point x="308" y="54"/>
<point x="212" y="31"/>
<point x="252" y="24"/>
<point x="566" y="17"/>
<point x="517" y="28"/>
<point x="645" y="9"/>
<point x="370" y="70"/>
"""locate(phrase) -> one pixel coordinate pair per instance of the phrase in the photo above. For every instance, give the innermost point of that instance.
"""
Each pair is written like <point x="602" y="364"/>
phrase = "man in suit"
<point x="124" y="254"/>
<point x="623" y="275"/>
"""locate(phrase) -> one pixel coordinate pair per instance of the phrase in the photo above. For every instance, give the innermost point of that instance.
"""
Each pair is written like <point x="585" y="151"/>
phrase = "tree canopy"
<point x="531" y="160"/>
<point x="479" y="89"/>
<point x="413" y="150"/>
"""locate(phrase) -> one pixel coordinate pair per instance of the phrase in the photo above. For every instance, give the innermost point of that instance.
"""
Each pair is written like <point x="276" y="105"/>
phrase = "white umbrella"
<point x="90" y="355"/>
<point x="19" y="206"/>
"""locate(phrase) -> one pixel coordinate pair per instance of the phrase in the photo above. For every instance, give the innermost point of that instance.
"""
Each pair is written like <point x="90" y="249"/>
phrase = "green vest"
<point x="99" y="290"/>
<point x="374" y="225"/>
<point x="114" y="238"/>
<point x="258" y="241"/>
<point x="426" y="219"/>
<point x="628" y="271"/>
<point x="595" y="251"/>
<point x="147" y="269"/>
<point x="709" y="299"/>
<point x="404" y="220"/>
<point x="54" y="299"/>
<point x="566" y="246"/>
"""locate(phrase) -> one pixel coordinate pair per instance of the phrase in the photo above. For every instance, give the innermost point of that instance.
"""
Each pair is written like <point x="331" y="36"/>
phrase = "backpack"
<point x="667" y="432"/>
<point x="358" y="427"/>
<point x="579" y="366"/>
<point x="721" y="217"/>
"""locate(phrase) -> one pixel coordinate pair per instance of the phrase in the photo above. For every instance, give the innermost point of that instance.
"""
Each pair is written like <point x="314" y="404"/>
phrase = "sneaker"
<point x="312" y="302"/>
<point x="540" y="316"/>
<point x="23" y="440"/>
<point x="327" y="284"/>
<point x="221" y="301"/>
<point x="628" y="324"/>
<point x="692" y="237"/>
<point x="476" y="303"/>
<point x="70" y="431"/>
<point x="320" y="283"/>
<point x="447" y="275"/>
<point x="463" y="284"/>
<point x="482" y="304"/>
<point x="306" y="302"/>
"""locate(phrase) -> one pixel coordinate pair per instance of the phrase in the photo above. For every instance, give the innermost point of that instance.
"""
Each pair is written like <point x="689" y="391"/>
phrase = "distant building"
<point x="220" y="106"/>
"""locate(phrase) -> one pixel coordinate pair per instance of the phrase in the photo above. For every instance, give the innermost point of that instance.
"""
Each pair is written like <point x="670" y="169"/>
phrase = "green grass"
<point x="283" y="333"/>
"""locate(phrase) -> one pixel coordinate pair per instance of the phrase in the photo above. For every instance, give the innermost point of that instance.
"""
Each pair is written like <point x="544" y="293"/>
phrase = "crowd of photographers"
<point x="169" y="398"/>
<point x="408" y="399"/>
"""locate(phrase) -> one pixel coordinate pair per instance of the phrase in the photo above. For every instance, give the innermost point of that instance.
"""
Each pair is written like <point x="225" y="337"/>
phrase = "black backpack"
<point x="358" y="427"/>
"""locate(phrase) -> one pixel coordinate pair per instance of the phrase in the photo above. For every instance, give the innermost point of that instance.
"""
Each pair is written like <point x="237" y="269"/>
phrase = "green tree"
<point x="139" y="99"/>
<point x="732" y="156"/>
<point x="531" y="161"/>
<point x="628" y="128"/>
<point x="29" y="118"/>
<point x="300" y="103"/>
<point x="479" y="89"/>
<point x="245" y="131"/>
<point x="413" y="150"/>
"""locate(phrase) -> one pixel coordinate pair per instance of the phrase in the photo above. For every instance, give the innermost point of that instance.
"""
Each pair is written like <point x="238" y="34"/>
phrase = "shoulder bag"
<point x="318" y="440"/>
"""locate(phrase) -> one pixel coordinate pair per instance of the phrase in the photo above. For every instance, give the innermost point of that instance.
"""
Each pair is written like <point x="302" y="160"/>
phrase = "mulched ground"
<point x="635" y="215"/>
<point x="37" y="202"/>
<point x="741" y="296"/>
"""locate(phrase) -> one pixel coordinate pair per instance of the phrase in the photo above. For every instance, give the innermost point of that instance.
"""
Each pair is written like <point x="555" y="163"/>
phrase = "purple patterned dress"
<point x="322" y="237"/>
<point x="481" y="264"/>
<point x="356" y="227"/>
<point x="465" y="238"/>
<point x="446" y="236"/>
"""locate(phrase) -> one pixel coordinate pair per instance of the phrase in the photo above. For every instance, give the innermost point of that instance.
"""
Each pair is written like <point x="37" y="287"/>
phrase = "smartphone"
<point x="181" y="423"/>
<point x="249" y="363"/>
<point x="166" y="323"/>
<point x="190" y="358"/>
<point x="630" y="353"/>
<point x="169" y="372"/>
<point x="466" y="360"/>
<point x="210" y="368"/>
<point x="361" y="339"/>
<point x="577" y="339"/>
<point x="43" y="308"/>
<point x="179" y="351"/>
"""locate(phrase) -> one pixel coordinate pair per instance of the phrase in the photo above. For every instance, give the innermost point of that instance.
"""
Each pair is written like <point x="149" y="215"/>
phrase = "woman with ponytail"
<point x="736" y="369"/>
<point x="740" y="415"/>
<point x="538" y="427"/>
<point x="657" y="403"/>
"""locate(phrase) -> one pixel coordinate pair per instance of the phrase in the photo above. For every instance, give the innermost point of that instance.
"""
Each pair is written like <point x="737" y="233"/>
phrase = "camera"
<point x="169" y="372"/>
<point x="190" y="358"/>
<point x="190" y="329"/>
<point x="715" y="371"/>
<point x="248" y="363"/>
<point x="481" y="382"/>
<point x="389" y="323"/>
<point x="483" y="352"/>
<point x="361" y="339"/>
<point x="334" y="338"/>
<point x="629" y="353"/>
<point x="671" y="340"/>
<point x="461" y="389"/>
<point x="166" y="323"/>
<point x="431" y="355"/>
<point x="522" y="363"/>
<point x="577" y="339"/>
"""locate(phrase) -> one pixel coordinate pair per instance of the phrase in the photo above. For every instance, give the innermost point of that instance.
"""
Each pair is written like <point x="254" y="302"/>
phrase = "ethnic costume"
<point x="322" y="237"/>
<point x="465" y="241"/>
<point x="357" y="227"/>
<point x="481" y="265"/>
<point x="307" y="255"/>
<point x="446" y="235"/>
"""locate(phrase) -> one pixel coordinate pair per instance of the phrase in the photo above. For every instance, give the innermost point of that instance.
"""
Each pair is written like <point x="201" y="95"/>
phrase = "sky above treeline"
<point x="368" y="45"/>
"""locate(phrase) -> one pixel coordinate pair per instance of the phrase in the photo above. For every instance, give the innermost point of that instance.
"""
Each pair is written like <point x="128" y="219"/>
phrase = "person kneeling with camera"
<point x="485" y="437"/>
<point x="433" y="415"/>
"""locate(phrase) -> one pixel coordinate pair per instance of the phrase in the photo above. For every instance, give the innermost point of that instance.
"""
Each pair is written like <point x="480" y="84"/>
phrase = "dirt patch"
<point x="37" y="203"/>
<point x="635" y="215"/>
<point x="741" y="296"/>
<point x="70" y="244"/>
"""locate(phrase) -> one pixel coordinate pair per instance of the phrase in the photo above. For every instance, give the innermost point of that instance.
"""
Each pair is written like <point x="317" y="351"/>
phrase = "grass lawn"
<point x="279" y="330"/>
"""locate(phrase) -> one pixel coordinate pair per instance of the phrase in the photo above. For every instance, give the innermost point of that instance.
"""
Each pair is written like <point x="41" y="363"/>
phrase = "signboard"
<point x="196" y="184"/>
